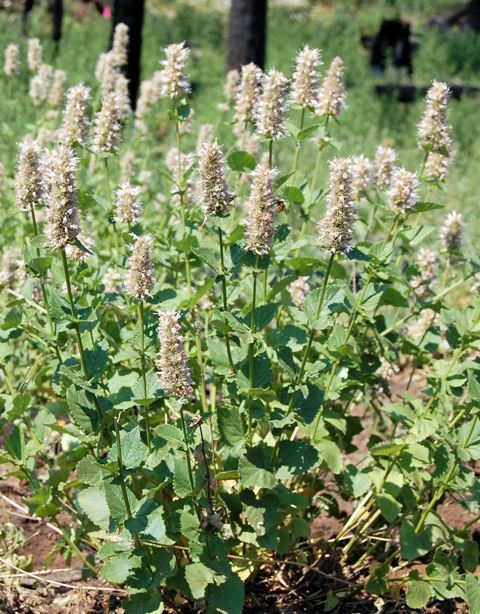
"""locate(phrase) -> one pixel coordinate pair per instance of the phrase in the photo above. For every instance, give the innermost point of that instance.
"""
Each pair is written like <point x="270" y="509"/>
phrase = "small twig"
<point x="62" y="584"/>
<point x="24" y="510"/>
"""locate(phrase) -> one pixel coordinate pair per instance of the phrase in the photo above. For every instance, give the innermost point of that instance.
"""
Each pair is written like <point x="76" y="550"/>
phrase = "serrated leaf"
<point x="119" y="568"/>
<point x="331" y="454"/>
<point x="414" y="545"/>
<point x="252" y="476"/>
<point x="181" y="478"/>
<point x="389" y="507"/>
<point x="82" y="410"/>
<point x="473" y="593"/>
<point x="209" y="256"/>
<point x="198" y="576"/>
<point x="293" y="195"/>
<point x="89" y="471"/>
<point x="133" y="448"/>
<point x="227" y="598"/>
<point x="170" y="433"/>
<point x="230" y="424"/>
<point x="116" y="502"/>
<point x="94" y="504"/>
<point x="387" y="449"/>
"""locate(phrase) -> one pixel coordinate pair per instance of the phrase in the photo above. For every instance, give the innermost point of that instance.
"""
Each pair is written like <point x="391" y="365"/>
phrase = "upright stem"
<point x="43" y="289"/>
<point x="122" y="477"/>
<point x="207" y="469"/>
<point x="251" y="352"/>
<point x="224" y="296"/>
<point x="189" y="462"/>
<point x="297" y="149"/>
<point x="141" y="315"/>
<point x="270" y="153"/>
<point x="81" y="351"/>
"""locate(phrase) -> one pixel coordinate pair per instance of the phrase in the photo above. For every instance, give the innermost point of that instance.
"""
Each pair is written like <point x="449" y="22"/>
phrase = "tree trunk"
<point x="131" y="12"/>
<point x="27" y="7"/>
<point x="57" y="18"/>
<point x="247" y="33"/>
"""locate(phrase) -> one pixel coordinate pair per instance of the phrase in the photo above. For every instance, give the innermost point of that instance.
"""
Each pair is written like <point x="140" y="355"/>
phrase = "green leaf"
<point x="263" y="315"/>
<point x="297" y="457"/>
<point x="293" y="195"/>
<point x="115" y="500"/>
<point x="156" y="528"/>
<point x="144" y="602"/>
<point x="308" y="131"/>
<point x="414" y="545"/>
<point x="418" y="594"/>
<point x="252" y="476"/>
<point x="89" y="471"/>
<point x="181" y="478"/>
<point x="15" y="443"/>
<point x="387" y="449"/>
<point x="473" y="593"/>
<point x="198" y="576"/>
<point x="170" y="433"/>
<point x="119" y="568"/>
<point x="389" y="507"/>
<point x="209" y="256"/>
<point x="470" y="555"/>
<point x="94" y="504"/>
<point x="230" y="424"/>
<point x="240" y="161"/>
<point x="423" y="206"/>
<point x="227" y="598"/>
<point x="133" y="448"/>
<point x="331" y="455"/>
<point x="82" y="410"/>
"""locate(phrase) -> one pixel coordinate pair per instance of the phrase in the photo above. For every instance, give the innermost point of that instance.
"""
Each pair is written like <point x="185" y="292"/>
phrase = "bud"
<point x="146" y="99"/>
<point x="174" y="83"/>
<point x="29" y="191"/>
<point x="232" y="81"/>
<point x="385" y="160"/>
<point x="361" y="175"/>
<point x="452" y="231"/>
<point x="402" y="194"/>
<point x="427" y="319"/>
<point x="129" y="208"/>
<point x="140" y="274"/>
<point x="426" y="262"/>
<point x="105" y="72"/>
<point x="123" y="96"/>
<point x="55" y="95"/>
<point x="205" y="135"/>
<point x="63" y="222"/>
<point x="12" y="62"/>
<point x="108" y="128"/>
<point x="335" y="231"/>
<point x="305" y="78"/>
<point x="34" y="54"/>
<point x="248" y="93"/>
<point x="10" y="265"/>
<point x="271" y="106"/>
<point x="261" y="211"/>
<point x="75" y="122"/>
<point x="40" y="84"/>
<point x="436" y="166"/>
<point x="112" y="281"/>
<point x="331" y="96"/>
<point x="434" y="129"/>
<point x="299" y="290"/>
<point x="120" y="45"/>
<point x="172" y="366"/>
<point x="178" y="164"/>
<point x="215" y="195"/>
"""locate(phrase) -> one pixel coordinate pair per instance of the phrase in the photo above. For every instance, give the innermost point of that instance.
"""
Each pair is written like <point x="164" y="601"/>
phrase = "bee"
<point x="280" y="205"/>
<point x="195" y="422"/>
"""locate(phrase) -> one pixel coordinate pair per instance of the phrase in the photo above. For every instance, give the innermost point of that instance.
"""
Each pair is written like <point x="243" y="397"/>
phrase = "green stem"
<point x="189" y="462"/>
<point x="270" y="153"/>
<point x="224" y="296"/>
<point x="297" y="150"/>
<point x="141" y="314"/>
<point x="122" y="477"/>
<point x="251" y="352"/>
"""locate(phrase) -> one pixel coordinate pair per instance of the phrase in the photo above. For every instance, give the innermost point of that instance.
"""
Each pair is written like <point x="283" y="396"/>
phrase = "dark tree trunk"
<point x="247" y="33"/>
<point x="57" y="18"/>
<point x="27" y="7"/>
<point x="131" y="12"/>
